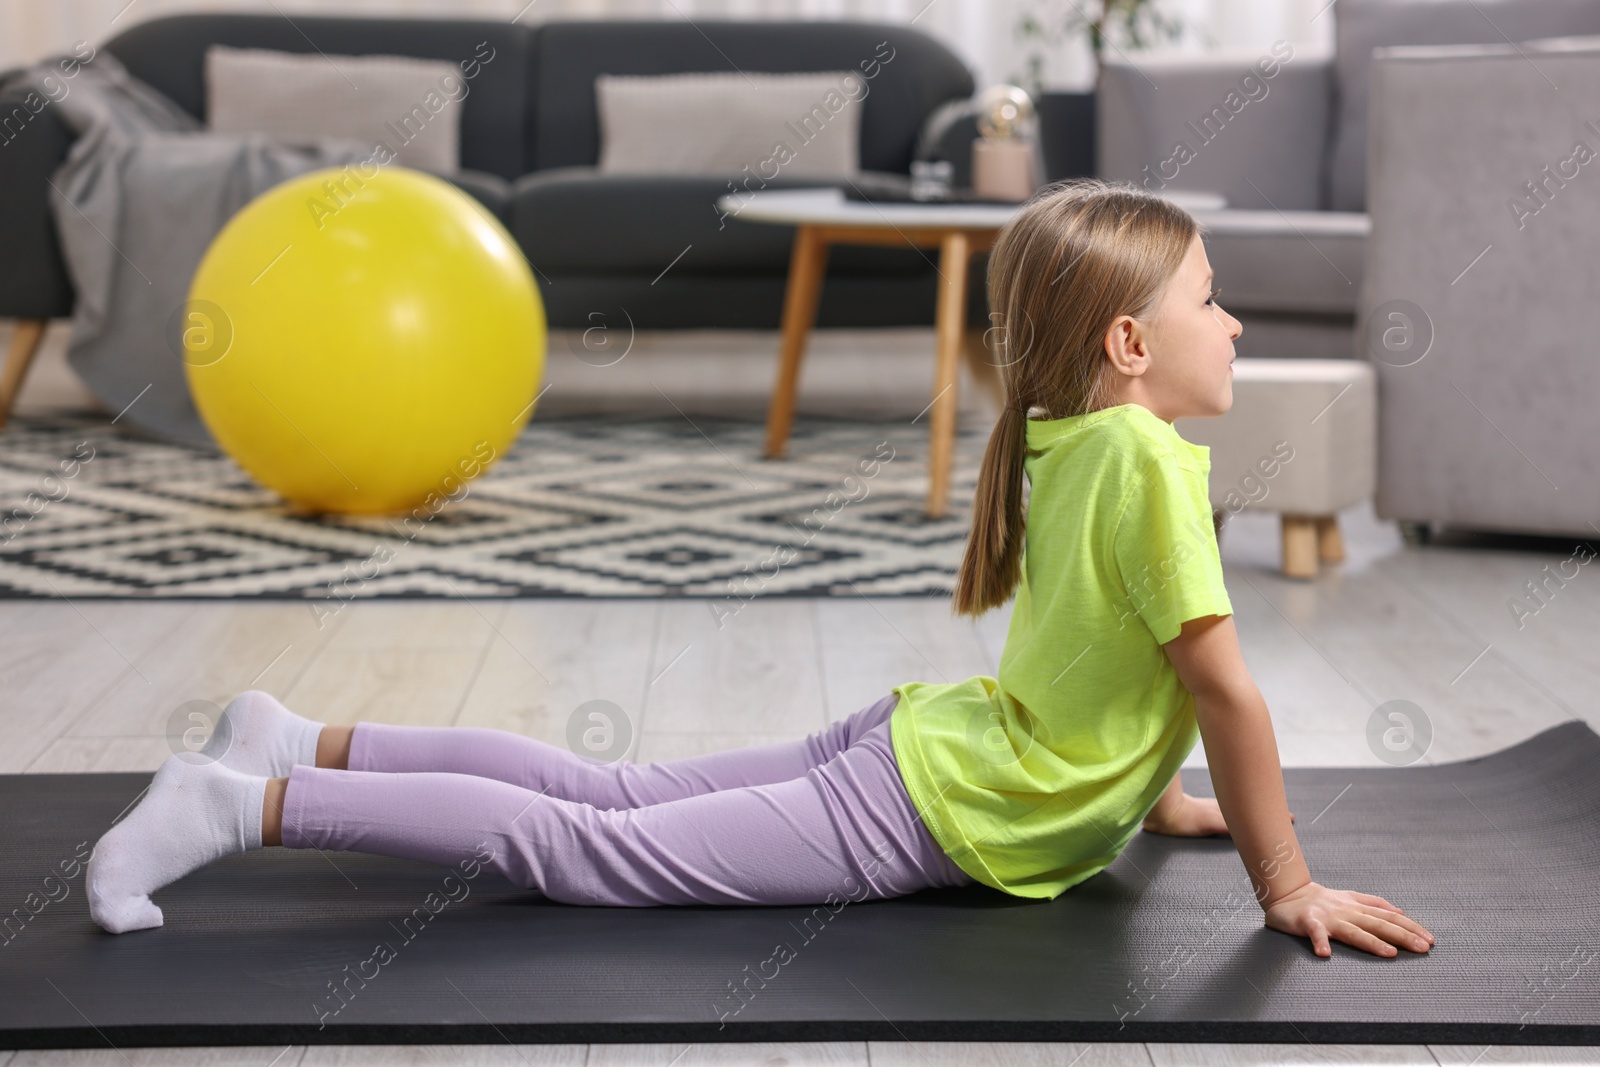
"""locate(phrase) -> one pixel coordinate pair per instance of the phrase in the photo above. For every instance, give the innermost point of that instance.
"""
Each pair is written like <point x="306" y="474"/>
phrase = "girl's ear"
<point x="1127" y="346"/>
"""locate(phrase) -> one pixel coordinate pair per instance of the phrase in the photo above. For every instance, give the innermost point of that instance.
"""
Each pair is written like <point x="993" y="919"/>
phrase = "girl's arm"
<point x="1242" y="754"/>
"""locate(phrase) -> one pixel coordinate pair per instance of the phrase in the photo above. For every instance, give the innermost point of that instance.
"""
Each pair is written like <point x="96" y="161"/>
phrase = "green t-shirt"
<point x="1034" y="782"/>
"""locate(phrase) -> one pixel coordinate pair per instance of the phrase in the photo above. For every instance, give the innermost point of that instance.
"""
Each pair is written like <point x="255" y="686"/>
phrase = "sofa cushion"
<point x="1286" y="261"/>
<point x="1363" y="25"/>
<point x="719" y="124"/>
<point x="908" y="74"/>
<point x="1251" y="126"/>
<point x="409" y="105"/>
<point x="579" y="221"/>
<point x="496" y="119"/>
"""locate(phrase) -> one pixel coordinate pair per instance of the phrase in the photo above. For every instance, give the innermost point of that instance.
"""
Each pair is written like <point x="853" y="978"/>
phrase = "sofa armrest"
<point x="1478" y="304"/>
<point x="1253" y="127"/>
<point x="33" y="277"/>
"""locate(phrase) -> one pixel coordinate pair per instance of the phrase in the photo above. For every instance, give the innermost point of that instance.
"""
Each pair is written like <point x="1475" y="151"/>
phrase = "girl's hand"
<point x="1195" y="817"/>
<point x="1358" y="919"/>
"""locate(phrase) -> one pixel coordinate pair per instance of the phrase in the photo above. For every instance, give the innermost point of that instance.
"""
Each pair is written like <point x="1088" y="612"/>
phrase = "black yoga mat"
<point x="1497" y="856"/>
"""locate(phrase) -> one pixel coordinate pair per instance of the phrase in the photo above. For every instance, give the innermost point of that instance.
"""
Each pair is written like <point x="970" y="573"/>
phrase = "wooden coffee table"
<point x="824" y="217"/>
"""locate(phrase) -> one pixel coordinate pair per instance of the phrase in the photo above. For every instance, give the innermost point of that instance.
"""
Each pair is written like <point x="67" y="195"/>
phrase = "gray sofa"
<point x="1289" y="151"/>
<point x="529" y="144"/>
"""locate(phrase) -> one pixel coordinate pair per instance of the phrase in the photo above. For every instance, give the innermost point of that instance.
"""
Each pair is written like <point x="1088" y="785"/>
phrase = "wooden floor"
<point x="95" y="686"/>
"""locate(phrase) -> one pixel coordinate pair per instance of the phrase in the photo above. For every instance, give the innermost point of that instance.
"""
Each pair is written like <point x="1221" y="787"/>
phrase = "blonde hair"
<point x="1077" y="256"/>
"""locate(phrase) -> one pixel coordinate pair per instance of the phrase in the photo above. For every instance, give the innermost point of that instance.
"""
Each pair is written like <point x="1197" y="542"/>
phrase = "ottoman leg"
<point x="1330" y="545"/>
<point x="1299" y="546"/>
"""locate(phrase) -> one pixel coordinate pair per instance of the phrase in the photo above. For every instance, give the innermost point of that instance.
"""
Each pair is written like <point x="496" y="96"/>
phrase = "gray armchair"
<point x="1479" y="304"/>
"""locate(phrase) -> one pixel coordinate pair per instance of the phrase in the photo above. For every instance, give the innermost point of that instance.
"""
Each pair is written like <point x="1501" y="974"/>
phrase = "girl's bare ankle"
<point x="333" y="747"/>
<point x="272" y="811"/>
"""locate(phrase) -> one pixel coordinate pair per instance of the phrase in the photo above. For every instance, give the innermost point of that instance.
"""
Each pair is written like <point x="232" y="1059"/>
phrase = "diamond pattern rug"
<point x="590" y="507"/>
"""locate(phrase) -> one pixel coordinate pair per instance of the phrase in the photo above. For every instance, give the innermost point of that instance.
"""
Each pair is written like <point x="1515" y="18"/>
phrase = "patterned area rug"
<point x="579" y="508"/>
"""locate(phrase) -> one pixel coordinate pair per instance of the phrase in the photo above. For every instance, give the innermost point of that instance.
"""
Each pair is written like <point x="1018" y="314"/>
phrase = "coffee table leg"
<point x="25" y="338"/>
<point x="951" y="321"/>
<point x="807" y="263"/>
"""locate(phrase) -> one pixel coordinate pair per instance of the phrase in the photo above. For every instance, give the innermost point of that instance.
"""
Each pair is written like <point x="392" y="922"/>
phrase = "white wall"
<point x="1247" y="25"/>
<point x="981" y="31"/>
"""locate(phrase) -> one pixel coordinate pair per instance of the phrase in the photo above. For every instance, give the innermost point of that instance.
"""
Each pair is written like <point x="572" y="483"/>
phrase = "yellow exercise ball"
<point x="364" y="339"/>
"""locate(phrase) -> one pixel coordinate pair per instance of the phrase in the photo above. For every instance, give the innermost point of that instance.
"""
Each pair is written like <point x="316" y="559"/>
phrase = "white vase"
<point x="1004" y="170"/>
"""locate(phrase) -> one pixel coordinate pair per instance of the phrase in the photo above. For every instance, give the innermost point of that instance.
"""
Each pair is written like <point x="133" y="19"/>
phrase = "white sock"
<point x="196" y="811"/>
<point x="257" y="735"/>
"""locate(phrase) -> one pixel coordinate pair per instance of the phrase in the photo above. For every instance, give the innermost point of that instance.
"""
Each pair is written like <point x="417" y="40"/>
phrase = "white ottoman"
<point x="1301" y="440"/>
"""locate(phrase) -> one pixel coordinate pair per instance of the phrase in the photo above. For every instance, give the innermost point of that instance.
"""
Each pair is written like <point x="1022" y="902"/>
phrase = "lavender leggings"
<point x="814" y="821"/>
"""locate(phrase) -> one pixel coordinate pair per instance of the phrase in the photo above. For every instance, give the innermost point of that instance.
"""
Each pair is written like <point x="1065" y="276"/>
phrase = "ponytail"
<point x="992" y="566"/>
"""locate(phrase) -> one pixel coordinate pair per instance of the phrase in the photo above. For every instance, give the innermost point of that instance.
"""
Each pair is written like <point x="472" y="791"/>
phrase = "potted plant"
<point x="1066" y="118"/>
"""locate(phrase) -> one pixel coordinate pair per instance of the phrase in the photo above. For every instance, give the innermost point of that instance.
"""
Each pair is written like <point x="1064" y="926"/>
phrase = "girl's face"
<point x="1180" y="363"/>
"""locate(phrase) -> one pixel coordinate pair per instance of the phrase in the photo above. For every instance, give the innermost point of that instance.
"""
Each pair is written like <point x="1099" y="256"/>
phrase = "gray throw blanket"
<point x="144" y="189"/>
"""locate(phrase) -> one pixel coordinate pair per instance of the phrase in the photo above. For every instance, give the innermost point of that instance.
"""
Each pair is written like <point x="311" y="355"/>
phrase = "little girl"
<point x="1121" y="652"/>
